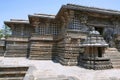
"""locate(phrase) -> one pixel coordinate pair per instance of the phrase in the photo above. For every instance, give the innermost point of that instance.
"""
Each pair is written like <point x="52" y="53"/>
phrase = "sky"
<point x="20" y="9"/>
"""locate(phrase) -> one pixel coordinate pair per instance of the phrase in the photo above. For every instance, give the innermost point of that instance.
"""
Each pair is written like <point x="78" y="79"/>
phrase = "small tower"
<point x="94" y="50"/>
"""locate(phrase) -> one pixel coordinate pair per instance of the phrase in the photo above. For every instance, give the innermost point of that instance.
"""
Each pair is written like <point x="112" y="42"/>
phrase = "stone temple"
<point x="76" y="36"/>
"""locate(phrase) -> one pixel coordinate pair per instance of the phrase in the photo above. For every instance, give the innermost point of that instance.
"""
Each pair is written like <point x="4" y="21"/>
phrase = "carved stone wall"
<point x="94" y="20"/>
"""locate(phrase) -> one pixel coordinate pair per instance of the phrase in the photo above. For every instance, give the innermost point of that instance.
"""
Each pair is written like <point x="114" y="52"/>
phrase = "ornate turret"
<point x="94" y="39"/>
<point x="93" y="57"/>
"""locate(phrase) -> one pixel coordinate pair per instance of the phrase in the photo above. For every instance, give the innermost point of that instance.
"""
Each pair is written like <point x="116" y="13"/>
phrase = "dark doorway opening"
<point x="99" y="52"/>
<point x="99" y="29"/>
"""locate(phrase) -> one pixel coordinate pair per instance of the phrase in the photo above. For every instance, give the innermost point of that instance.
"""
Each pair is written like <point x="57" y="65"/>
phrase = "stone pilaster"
<point x="36" y="24"/>
<point x="22" y="30"/>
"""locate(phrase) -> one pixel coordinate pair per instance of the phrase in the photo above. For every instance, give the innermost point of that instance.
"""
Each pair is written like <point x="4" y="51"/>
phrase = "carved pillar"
<point x="66" y="17"/>
<point x="70" y="18"/>
<point x="37" y="29"/>
<point x="22" y="30"/>
<point x="47" y="30"/>
<point x="63" y="25"/>
<point x="12" y="28"/>
<point x="78" y="41"/>
<point x="36" y="24"/>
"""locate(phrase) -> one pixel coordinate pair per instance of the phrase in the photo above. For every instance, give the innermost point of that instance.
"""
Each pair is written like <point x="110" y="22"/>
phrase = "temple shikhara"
<point x="76" y="36"/>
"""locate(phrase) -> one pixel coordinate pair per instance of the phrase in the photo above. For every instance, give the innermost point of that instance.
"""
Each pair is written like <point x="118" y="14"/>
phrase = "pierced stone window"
<point x="41" y="29"/>
<point x="54" y="29"/>
<point x="27" y="31"/>
<point x="51" y="29"/>
<point x="16" y="31"/>
<point x="75" y="23"/>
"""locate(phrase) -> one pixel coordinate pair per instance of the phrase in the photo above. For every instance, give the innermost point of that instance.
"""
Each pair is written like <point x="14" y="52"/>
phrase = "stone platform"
<point x="49" y="70"/>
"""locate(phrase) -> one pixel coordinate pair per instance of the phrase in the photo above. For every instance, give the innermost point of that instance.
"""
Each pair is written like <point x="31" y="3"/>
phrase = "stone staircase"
<point x="12" y="73"/>
<point x="114" y="56"/>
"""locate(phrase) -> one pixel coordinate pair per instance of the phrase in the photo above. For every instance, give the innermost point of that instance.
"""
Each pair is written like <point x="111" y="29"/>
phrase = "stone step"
<point x="112" y="53"/>
<point x="117" y="56"/>
<point x="114" y="56"/>
<point x="41" y="58"/>
<point x="32" y="53"/>
<point x="13" y="68"/>
<point x="42" y="55"/>
<point x="116" y="66"/>
<point x="12" y="78"/>
<point x="15" y="55"/>
<point x="18" y="51"/>
<point x="12" y="72"/>
<point x="115" y="63"/>
<point x="112" y="49"/>
<point x="118" y="60"/>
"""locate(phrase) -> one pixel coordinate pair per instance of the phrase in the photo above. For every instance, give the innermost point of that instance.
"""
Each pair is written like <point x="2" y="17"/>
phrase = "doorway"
<point x="99" y="52"/>
<point x="99" y="29"/>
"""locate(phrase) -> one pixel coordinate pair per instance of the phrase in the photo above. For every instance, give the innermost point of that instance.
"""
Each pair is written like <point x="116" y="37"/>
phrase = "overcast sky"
<point x="19" y="9"/>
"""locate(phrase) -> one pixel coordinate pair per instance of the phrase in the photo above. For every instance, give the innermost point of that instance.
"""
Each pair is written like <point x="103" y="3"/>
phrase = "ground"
<point x="49" y="69"/>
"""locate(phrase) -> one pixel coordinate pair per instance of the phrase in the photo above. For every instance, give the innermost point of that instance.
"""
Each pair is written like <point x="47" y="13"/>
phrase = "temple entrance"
<point x="99" y="52"/>
<point x="99" y="29"/>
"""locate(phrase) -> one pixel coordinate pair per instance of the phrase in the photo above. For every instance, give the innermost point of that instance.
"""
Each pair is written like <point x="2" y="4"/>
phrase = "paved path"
<point x="44" y="69"/>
